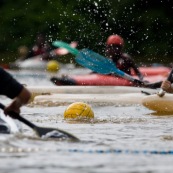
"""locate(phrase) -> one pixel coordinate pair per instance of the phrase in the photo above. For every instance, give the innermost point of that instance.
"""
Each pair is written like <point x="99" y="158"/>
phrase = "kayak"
<point x="98" y="99"/>
<point x="100" y="80"/>
<point x="46" y="90"/>
<point x="37" y="62"/>
<point x="4" y="66"/>
<point x="8" y="125"/>
<point x="150" y="71"/>
<point x="30" y="64"/>
<point x="159" y="104"/>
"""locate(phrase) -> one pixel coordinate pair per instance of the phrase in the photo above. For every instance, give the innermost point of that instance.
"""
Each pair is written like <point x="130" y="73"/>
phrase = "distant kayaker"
<point x="41" y="47"/>
<point x="167" y="86"/>
<point x="123" y="61"/>
<point x="14" y="90"/>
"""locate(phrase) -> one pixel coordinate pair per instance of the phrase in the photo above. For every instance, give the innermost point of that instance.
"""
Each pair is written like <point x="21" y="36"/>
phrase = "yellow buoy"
<point x="53" y="66"/>
<point x="78" y="111"/>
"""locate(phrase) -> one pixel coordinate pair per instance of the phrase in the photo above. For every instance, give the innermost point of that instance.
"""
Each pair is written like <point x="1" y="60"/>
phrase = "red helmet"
<point x="115" y="39"/>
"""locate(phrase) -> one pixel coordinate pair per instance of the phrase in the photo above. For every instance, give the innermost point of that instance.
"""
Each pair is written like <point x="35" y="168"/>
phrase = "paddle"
<point x="66" y="46"/>
<point x="63" y="51"/>
<point x="161" y="93"/>
<point x="41" y="131"/>
<point x="96" y="62"/>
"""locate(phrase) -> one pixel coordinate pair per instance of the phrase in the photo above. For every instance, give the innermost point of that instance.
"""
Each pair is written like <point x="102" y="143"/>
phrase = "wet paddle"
<point x="96" y="62"/>
<point x="42" y="131"/>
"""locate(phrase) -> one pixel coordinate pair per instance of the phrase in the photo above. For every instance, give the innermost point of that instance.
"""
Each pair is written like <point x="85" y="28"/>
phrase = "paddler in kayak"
<point x="14" y="90"/>
<point x="41" y="47"/>
<point x="123" y="61"/>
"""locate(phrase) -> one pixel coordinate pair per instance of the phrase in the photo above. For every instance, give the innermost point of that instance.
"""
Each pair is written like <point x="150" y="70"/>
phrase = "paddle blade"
<point x="97" y="62"/>
<point x="69" y="48"/>
<point x="103" y="65"/>
<point x="45" y="132"/>
<point x="42" y="131"/>
<point x="63" y="51"/>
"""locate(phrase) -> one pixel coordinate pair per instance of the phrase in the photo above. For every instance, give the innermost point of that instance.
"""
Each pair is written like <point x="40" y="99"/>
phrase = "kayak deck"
<point x="96" y="99"/>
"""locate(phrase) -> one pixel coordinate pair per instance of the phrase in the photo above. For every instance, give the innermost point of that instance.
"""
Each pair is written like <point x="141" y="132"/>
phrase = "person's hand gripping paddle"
<point x="43" y="131"/>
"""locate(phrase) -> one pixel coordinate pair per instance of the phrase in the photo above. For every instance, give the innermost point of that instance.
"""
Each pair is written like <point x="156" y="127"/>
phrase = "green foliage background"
<point x="145" y="25"/>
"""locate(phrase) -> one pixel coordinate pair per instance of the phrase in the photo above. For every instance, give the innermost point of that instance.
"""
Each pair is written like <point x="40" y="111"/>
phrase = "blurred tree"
<point x="146" y="25"/>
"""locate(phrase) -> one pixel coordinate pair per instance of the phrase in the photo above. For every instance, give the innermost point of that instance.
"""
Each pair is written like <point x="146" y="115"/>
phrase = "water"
<point x="120" y="139"/>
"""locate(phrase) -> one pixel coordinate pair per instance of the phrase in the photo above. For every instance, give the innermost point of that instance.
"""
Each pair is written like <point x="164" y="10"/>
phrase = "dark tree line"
<point x="145" y="25"/>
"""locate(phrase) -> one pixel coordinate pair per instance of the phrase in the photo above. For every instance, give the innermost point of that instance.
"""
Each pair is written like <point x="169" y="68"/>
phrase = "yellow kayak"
<point x="159" y="104"/>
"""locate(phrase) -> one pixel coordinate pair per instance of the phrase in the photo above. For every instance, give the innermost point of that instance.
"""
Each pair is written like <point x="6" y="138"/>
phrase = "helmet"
<point x="115" y="39"/>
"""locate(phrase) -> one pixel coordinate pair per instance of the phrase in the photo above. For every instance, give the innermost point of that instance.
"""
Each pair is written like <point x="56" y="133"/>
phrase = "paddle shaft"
<point x="136" y="82"/>
<point x="128" y="77"/>
<point x="39" y="130"/>
<point x="17" y="116"/>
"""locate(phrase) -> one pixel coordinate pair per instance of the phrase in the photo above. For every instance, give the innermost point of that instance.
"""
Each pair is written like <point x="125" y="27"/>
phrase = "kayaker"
<point x="41" y="47"/>
<point x="123" y="61"/>
<point x="14" y="90"/>
<point x="167" y="86"/>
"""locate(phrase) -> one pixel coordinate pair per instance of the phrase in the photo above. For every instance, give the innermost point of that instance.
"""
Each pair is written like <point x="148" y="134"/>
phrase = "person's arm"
<point x="11" y="88"/>
<point x="18" y="101"/>
<point x="167" y="86"/>
<point x="136" y="69"/>
<point x="131" y="64"/>
<point x="138" y="72"/>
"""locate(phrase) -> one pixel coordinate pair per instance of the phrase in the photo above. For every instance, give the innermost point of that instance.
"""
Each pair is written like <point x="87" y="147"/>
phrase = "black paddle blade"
<point x="46" y="132"/>
<point x="43" y="131"/>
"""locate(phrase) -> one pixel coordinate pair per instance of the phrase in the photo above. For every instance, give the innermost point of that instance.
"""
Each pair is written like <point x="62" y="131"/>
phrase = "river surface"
<point x="120" y="139"/>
